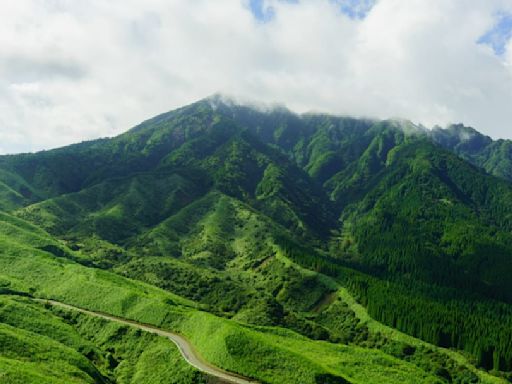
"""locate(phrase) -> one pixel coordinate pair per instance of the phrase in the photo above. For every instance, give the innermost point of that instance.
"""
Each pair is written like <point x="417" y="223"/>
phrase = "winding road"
<point x="184" y="346"/>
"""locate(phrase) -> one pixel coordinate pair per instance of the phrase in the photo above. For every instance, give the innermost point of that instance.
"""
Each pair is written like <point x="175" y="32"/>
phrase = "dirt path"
<point x="184" y="346"/>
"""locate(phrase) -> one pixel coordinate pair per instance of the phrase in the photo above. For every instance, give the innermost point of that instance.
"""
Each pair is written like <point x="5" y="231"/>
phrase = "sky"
<point x="74" y="70"/>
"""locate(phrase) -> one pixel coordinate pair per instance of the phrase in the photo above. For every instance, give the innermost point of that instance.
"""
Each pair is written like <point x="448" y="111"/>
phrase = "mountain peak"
<point x="461" y="139"/>
<point x="221" y="101"/>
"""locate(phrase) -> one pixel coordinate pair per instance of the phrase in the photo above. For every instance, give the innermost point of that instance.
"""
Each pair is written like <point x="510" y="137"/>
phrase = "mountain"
<point x="493" y="156"/>
<point x="273" y="228"/>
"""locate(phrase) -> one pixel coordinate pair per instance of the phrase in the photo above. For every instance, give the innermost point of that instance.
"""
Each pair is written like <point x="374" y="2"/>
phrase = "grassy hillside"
<point x="42" y="345"/>
<point x="224" y="342"/>
<point x="242" y="214"/>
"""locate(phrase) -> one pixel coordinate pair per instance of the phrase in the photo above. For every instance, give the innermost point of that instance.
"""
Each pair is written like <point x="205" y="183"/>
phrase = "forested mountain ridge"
<point x="261" y="216"/>
<point x="495" y="156"/>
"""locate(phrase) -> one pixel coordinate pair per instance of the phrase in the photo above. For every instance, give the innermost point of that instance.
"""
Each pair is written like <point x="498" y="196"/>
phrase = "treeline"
<point x="308" y="258"/>
<point x="479" y="265"/>
<point x="443" y="316"/>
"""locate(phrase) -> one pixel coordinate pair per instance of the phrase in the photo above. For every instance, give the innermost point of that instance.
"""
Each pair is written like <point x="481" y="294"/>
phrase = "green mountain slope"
<point x="434" y="216"/>
<point x="260" y="218"/>
<point x="493" y="156"/>
<point x="51" y="345"/>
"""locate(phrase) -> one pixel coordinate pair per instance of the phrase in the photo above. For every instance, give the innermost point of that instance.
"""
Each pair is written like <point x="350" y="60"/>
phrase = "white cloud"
<point x="74" y="69"/>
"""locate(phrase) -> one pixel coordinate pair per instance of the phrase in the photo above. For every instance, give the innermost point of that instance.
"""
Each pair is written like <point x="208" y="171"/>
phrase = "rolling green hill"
<point x="44" y="344"/>
<point x="267" y="226"/>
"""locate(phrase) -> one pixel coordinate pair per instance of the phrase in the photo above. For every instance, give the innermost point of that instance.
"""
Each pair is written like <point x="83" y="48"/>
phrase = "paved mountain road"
<point x="184" y="346"/>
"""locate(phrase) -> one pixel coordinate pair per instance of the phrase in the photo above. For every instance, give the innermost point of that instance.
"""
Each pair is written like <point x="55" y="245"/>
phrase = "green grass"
<point x="285" y="356"/>
<point x="53" y="359"/>
<point x="217" y="339"/>
<point x="223" y="342"/>
<point x="49" y="345"/>
<point x="99" y="291"/>
<point x="134" y="356"/>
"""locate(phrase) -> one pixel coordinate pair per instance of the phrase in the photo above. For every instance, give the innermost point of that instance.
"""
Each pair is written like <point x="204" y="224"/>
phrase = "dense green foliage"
<point x="481" y="327"/>
<point x="111" y="352"/>
<point x="259" y="218"/>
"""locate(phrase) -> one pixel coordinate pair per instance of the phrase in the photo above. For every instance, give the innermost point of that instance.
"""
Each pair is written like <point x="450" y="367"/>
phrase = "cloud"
<point x="72" y="70"/>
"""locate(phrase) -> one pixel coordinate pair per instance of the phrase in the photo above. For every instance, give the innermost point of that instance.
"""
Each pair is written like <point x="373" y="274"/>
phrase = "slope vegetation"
<point x="239" y="227"/>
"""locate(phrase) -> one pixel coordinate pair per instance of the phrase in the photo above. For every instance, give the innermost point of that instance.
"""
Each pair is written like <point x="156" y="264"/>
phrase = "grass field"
<point x="223" y="342"/>
<point x="46" y="345"/>
<point x="71" y="345"/>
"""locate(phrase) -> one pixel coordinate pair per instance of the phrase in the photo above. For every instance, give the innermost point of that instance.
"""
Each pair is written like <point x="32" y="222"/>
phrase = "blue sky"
<point x="355" y="9"/>
<point x="498" y="36"/>
<point x="260" y="11"/>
